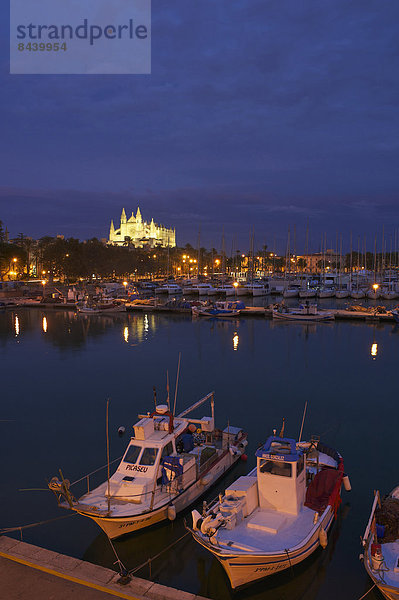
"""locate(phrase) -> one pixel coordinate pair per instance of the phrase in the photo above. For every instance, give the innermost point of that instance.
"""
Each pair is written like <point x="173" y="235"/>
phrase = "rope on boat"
<point x="364" y="595"/>
<point x="30" y="525"/>
<point x="149" y="560"/>
<point x="289" y="560"/>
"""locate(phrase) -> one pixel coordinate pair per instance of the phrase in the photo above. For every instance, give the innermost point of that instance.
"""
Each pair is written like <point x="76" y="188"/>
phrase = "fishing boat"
<point x="168" y="464"/>
<point x="219" y="309"/>
<point x="381" y="544"/>
<point x="277" y="515"/>
<point x="304" y="312"/>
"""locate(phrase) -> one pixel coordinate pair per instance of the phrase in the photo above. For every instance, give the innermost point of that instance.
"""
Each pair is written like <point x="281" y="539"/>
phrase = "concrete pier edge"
<point x="87" y="574"/>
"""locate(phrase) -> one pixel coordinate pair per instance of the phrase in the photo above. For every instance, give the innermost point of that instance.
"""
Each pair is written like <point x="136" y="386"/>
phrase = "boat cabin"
<point x="281" y="475"/>
<point x="158" y="455"/>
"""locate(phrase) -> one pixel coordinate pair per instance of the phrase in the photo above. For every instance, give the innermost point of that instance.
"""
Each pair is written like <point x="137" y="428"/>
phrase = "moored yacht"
<point x="169" y="288"/>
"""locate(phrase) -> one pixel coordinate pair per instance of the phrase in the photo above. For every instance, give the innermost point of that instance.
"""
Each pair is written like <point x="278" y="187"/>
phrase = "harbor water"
<point x="58" y="368"/>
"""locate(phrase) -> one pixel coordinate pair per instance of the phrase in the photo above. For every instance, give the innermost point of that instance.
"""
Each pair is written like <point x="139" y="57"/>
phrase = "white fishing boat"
<point x="163" y="470"/>
<point x="277" y="515"/>
<point x="381" y="544"/>
<point x="304" y="312"/>
<point x="307" y="293"/>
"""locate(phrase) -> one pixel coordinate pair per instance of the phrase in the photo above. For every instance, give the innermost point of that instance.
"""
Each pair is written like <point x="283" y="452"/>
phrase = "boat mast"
<point x="107" y="435"/>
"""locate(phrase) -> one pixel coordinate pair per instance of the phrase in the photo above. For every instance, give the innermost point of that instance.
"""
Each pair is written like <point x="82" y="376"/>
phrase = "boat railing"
<point x="377" y="501"/>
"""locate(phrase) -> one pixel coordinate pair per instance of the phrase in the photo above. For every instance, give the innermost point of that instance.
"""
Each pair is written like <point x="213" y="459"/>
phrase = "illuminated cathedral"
<point x="141" y="234"/>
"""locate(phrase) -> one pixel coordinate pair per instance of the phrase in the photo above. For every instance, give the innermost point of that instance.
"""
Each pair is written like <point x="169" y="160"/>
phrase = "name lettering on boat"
<point x="259" y="569"/>
<point x="136" y="468"/>
<point x="274" y="456"/>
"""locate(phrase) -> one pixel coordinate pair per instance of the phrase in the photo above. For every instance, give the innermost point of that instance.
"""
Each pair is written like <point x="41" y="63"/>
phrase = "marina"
<point x="119" y="348"/>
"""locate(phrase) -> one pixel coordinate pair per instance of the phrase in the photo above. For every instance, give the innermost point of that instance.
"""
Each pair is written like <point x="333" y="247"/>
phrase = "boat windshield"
<point x="149" y="456"/>
<point x="275" y="467"/>
<point x="132" y="454"/>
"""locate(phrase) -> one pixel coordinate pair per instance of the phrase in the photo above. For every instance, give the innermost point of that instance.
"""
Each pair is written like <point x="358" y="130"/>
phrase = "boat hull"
<point x="298" y="317"/>
<point x="389" y="592"/>
<point x="244" y="568"/>
<point x="115" y="527"/>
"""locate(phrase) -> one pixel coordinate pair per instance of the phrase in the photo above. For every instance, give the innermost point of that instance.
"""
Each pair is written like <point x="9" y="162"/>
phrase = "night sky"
<point x="258" y="113"/>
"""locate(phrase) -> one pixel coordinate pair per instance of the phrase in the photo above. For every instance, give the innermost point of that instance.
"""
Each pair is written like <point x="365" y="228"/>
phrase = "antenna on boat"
<point x="167" y="389"/>
<point x="107" y="434"/>
<point x="303" y="421"/>
<point x="281" y="434"/>
<point x="177" y="383"/>
<point x="155" y="397"/>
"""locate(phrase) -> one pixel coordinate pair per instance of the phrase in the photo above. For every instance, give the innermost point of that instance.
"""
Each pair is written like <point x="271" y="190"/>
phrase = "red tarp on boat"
<point x="319" y="491"/>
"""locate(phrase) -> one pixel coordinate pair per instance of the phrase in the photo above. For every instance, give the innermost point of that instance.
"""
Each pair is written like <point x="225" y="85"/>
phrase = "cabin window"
<point x="132" y="454"/>
<point x="274" y="467"/>
<point x="168" y="450"/>
<point x="149" y="456"/>
<point x="300" y="465"/>
<point x="128" y="478"/>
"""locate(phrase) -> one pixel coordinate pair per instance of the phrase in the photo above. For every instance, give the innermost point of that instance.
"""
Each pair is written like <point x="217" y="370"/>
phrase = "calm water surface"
<point x="57" y="369"/>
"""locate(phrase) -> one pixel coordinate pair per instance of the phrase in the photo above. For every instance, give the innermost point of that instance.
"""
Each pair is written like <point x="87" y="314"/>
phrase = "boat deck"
<point x="390" y="553"/>
<point x="268" y="531"/>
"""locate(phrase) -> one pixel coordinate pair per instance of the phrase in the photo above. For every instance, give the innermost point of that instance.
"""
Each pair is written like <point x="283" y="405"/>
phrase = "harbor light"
<point x="374" y="349"/>
<point x="14" y="260"/>
<point x="235" y="284"/>
<point x="375" y="286"/>
<point x="125" y="284"/>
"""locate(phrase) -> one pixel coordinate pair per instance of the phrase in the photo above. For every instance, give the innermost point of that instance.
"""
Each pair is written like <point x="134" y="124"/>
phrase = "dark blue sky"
<point x="261" y="113"/>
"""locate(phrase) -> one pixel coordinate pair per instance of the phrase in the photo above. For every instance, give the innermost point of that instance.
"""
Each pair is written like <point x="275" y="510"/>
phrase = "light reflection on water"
<point x="260" y="370"/>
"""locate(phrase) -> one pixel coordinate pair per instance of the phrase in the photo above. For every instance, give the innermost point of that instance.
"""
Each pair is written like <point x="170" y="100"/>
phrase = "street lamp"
<point x="43" y="284"/>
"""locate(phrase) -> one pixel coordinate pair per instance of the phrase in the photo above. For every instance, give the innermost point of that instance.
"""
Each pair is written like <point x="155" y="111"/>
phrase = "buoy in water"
<point x="323" y="537"/>
<point x="121" y="431"/>
<point x="171" y="512"/>
<point x="347" y="483"/>
<point x="244" y="457"/>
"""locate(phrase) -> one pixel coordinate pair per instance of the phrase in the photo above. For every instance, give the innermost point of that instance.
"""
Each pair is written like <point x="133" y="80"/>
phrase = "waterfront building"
<point x="138" y="233"/>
